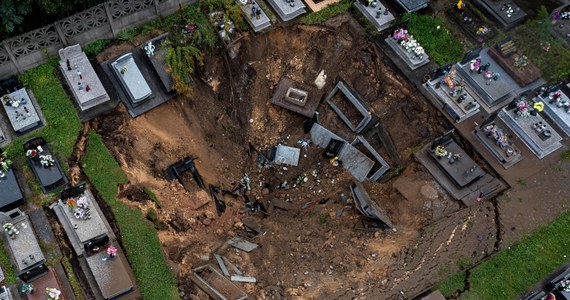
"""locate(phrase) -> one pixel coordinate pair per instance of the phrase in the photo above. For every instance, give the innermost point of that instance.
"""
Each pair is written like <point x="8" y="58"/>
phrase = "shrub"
<point x="96" y="47"/>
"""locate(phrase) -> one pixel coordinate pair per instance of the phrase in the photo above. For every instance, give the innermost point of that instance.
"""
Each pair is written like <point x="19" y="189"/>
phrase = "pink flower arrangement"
<point x="112" y="251"/>
<point x="53" y="293"/>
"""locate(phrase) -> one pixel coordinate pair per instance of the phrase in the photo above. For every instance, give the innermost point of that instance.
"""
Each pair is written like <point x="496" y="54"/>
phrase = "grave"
<point x="456" y="97"/>
<point x="412" y="5"/>
<point x="494" y="87"/>
<point x="296" y="97"/>
<point x="407" y="48"/>
<point x="369" y="208"/>
<point x="215" y="284"/>
<point x="517" y="65"/>
<point x="153" y="84"/>
<point x="44" y="164"/>
<point x="348" y="105"/>
<point x="557" y="108"/>
<point x="255" y="16"/>
<point x="458" y="173"/>
<point x="495" y="137"/>
<point x="288" y="9"/>
<point x="380" y="165"/>
<point x="317" y="5"/>
<point x="376" y="13"/>
<point x="155" y="51"/>
<point x="561" y="23"/>
<point x="5" y="293"/>
<point x="355" y="162"/>
<point x="21" y="111"/>
<point x="132" y="81"/>
<point x="508" y="13"/>
<point x="85" y="85"/>
<point x="10" y="192"/>
<point x="90" y="235"/>
<point x="470" y="22"/>
<point x="540" y="143"/>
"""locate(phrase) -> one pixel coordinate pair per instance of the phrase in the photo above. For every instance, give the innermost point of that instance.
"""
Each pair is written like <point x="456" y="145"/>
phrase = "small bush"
<point x="152" y="197"/>
<point x="96" y="47"/>
<point x="129" y="34"/>
<point x="441" y="46"/>
<point x="152" y="215"/>
<point x="565" y="156"/>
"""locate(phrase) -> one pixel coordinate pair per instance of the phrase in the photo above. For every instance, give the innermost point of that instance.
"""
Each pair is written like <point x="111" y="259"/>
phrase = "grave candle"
<point x="68" y="65"/>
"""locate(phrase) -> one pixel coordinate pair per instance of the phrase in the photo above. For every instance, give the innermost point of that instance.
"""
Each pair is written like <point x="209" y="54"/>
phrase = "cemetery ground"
<point x="316" y="252"/>
<point x="313" y="252"/>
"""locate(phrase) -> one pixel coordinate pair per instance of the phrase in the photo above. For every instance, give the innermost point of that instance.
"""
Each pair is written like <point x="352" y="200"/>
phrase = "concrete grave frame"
<point x="353" y="98"/>
<point x="384" y="167"/>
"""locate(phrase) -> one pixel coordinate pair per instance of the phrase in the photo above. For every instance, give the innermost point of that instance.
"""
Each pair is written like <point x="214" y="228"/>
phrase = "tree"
<point x="12" y="13"/>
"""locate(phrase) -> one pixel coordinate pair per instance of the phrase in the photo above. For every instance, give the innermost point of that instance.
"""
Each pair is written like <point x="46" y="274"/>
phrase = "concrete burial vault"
<point x="349" y="107"/>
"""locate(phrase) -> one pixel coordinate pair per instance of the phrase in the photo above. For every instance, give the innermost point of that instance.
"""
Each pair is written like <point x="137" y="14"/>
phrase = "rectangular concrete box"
<point x="558" y="114"/>
<point x="132" y="81"/>
<point x="409" y="58"/>
<point x="110" y="274"/>
<point x="24" y="248"/>
<point x="21" y="120"/>
<point x="455" y="109"/>
<point x="355" y="100"/>
<point x="381" y="23"/>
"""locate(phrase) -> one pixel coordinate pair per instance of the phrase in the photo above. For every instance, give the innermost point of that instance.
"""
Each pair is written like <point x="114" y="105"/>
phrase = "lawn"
<point x="154" y="278"/>
<point x="441" y="46"/>
<point x="513" y="271"/>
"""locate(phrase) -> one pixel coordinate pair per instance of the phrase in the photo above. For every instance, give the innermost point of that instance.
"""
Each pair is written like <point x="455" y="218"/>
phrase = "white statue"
<point x="149" y="49"/>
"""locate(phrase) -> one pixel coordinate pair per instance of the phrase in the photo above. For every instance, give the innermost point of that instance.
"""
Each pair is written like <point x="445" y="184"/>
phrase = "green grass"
<point x="73" y="281"/>
<point x="521" y="181"/>
<point x="7" y="267"/>
<point x="441" y="46"/>
<point x="454" y="283"/>
<point x="152" y="197"/>
<point x="565" y="156"/>
<point x="154" y="279"/>
<point x="326" y="13"/>
<point x="513" y="271"/>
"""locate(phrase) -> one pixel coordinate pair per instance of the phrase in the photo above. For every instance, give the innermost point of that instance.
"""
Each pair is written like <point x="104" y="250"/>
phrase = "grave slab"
<point x="379" y="162"/>
<point x="24" y="247"/>
<point x="354" y="100"/>
<point x="48" y="280"/>
<point x="367" y="206"/>
<point x="507" y="156"/>
<point x="462" y="171"/>
<point x="23" y="117"/>
<point x="158" y="60"/>
<point x="522" y="77"/>
<point x="159" y="95"/>
<point x="306" y="108"/>
<point x="413" y="5"/>
<point x="50" y="177"/>
<point x="540" y="145"/>
<point x="376" y="14"/>
<point x="557" y="114"/>
<point x="255" y="16"/>
<point x="508" y="13"/>
<point x="80" y="64"/>
<point x="459" y="111"/>
<point x="288" y="9"/>
<point x="409" y="58"/>
<point x="132" y="81"/>
<point x="5" y="293"/>
<point x="11" y="195"/>
<point x="286" y="155"/>
<point x="111" y="274"/>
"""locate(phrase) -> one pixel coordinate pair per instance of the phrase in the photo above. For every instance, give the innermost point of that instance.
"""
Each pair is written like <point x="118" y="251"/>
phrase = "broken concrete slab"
<point x="368" y="207"/>
<point x="354" y="101"/>
<point x="240" y="278"/>
<point x="380" y="166"/>
<point x="216" y="285"/>
<point x="242" y="244"/>
<point x="285" y="155"/>
<point x="221" y="264"/>
<point x="232" y="266"/>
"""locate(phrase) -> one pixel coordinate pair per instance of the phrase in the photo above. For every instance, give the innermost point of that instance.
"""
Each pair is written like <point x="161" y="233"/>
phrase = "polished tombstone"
<point x="343" y="100"/>
<point x="539" y="143"/>
<point x="376" y="14"/>
<point x="90" y="234"/>
<point x="255" y="16"/>
<point x="132" y="81"/>
<point x="556" y="111"/>
<point x="157" y="59"/>
<point x="412" y="60"/>
<point x="461" y="106"/>
<point x="50" y="177"/>
<point x="22" y="114"/>
<point x="412" y="5"/>
<point x="508" y="13"/>
<point x="288" y="9"/>
<point x="496" y="138"/>
<point x="11" y="194"/>
<point x="296" y="97"/>
<point x="84" y="83"/>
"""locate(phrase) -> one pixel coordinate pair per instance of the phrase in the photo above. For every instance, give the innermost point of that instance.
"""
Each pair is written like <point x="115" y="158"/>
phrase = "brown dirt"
<point x="305" y="253"/>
